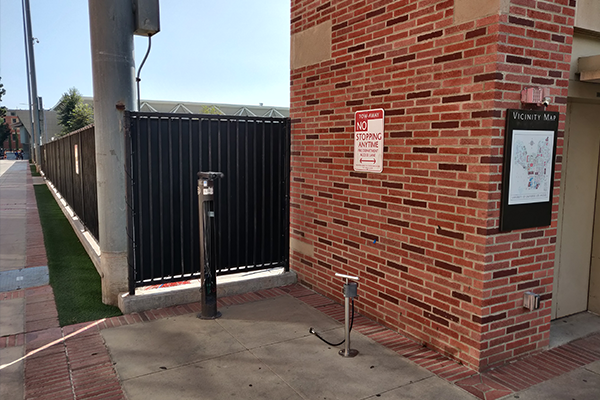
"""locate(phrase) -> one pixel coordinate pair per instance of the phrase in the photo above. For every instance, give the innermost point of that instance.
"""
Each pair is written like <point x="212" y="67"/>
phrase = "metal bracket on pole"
<point x="350" y="291"/>
<point x="208" y="248"/>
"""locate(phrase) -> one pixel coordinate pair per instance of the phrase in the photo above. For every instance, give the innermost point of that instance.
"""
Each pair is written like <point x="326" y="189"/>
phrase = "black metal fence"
<point x="164" y="154"/>
<point x="70" y="164"/>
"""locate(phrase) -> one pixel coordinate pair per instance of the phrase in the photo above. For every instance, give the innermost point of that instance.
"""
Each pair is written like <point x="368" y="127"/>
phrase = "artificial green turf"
<point x="34" y="170"/>
<point x="73" y="277"/>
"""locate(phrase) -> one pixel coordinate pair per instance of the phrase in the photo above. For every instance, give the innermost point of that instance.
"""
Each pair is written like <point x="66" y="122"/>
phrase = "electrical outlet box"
<point x="531" y="301"/>
<point x="147" y="20"/>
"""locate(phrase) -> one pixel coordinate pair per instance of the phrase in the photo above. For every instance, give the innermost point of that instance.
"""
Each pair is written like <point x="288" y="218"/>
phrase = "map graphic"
<point x="530" y="167"/>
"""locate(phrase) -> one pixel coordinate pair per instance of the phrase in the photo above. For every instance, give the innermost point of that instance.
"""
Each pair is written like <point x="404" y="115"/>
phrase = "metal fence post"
<point x="208" y="256"/>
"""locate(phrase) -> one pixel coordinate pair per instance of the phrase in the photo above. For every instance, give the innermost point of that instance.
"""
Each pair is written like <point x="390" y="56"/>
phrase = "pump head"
<point x="354" y="278"/>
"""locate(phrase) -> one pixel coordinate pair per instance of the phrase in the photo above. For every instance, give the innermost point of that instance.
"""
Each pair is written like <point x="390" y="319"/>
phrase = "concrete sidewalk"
<point x="259" y="349"/>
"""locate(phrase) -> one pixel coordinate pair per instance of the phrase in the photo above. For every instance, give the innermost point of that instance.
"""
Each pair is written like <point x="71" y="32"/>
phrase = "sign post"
<point x="368" y="140"/>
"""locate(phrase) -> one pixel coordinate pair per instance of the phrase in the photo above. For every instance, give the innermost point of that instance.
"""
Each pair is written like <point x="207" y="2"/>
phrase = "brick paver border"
<point x="36" y="251"/>
<point x="491" y="384"/>
<point x="80" y="366"/>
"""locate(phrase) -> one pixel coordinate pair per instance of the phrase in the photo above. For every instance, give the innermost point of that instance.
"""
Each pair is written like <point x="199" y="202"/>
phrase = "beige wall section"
<point x="583" y="46"/>
<point x="589" y="69"/>
<point x="468" y="10"/>
<point x="587" y="15"/>
<point x="305" y="248"/>
<point x="594" y="296"/>
<point x="311" y="46"/>
<point x="576" y="209"/>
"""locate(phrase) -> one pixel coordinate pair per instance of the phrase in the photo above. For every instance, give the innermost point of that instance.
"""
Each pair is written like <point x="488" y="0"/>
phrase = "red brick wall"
<point x="423" y="234"/>
<point x="12" y="142"/>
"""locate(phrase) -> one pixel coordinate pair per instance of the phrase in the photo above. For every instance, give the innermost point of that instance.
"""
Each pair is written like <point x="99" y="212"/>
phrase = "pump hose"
<point x="312" y="331"/>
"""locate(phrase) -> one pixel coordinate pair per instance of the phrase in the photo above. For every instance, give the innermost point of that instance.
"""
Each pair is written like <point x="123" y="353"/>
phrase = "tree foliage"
<point x="82" y="115"/>
<point x="72" y="112"/>
<point x="213" y="110"/>
<point x="2" y="93"/>
<point x="4" y="129"/>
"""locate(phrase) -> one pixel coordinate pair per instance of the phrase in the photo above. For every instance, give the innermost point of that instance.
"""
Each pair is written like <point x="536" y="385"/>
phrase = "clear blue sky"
<point x="233" y="51"/>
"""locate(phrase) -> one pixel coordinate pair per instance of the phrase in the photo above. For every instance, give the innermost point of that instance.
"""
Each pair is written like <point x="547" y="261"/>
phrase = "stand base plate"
<point x="350" y="353"/>
<point x="217" y="315"/>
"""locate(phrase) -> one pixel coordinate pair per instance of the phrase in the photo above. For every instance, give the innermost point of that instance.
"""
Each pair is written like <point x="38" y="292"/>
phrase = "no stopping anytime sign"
<point x="368" y="140"/>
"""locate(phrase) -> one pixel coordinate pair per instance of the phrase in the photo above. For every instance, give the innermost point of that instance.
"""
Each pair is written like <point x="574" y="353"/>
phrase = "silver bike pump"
<point x="350" y="292"/>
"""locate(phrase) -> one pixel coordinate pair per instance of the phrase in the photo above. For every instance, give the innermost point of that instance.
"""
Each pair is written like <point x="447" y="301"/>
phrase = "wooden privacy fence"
<point x="70" y="164"/>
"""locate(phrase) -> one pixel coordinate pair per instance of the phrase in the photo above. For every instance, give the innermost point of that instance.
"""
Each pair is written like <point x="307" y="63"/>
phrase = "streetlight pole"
<point x="37" y="133"/>
<point x="32" y="128"/>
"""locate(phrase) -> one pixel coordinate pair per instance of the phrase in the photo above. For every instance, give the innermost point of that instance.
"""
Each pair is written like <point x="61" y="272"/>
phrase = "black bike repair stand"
<point x="350" y="292"/>
<point x="208" y="245"/>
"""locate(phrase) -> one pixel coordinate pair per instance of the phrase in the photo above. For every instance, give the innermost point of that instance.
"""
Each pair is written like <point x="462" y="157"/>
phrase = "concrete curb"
<point x="79" y="229"/>
<point x="151" y="300"/>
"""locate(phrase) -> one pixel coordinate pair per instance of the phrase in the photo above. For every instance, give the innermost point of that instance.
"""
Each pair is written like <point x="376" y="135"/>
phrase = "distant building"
<point x="51" y="129"/>
<point x="14" y="141"/>
<point x="187" y="107"/>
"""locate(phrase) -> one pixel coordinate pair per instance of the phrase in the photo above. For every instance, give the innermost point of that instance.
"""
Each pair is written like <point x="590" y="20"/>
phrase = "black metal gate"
<point x="164" y="154"/>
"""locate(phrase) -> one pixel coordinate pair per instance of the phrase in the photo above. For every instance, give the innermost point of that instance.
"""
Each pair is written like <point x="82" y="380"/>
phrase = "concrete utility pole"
<point x="31" y="132"/>
<point x="113" y="68"/>
<point x="37" y="130"/>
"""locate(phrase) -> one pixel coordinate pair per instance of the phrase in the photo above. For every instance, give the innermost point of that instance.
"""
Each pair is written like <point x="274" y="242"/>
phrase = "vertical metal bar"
<point x="274" y="200"/>
<point x="210" y="168"/>
<point x="181" y="220"/>
<point x="192" y="193"/>
<point x="160" y="202"/>
<point x="171" y="199"/>
<point x="218" y="204"/>
<point x="219" y="155"/>
<point x="134" y="225"/>
<point x="279" y="190"/>
<point x="228" y="209"/>
<point x="130" y="190"/>
<point x="255" y="194"/>
<point x="263" y="212"/>
<point x="285" y="234"/>
<point x="247" y="196"/>
<point x="237" y="192"/>
<point x="136" y="214"/>
<point x="200" y="134"/>
<point x="200" y="138"/>
<point x="150" y="200"/>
